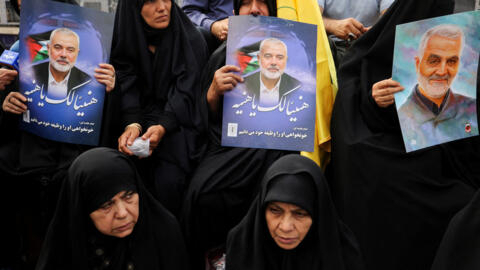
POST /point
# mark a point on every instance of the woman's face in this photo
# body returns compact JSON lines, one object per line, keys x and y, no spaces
{"x":156,"y":13}
{"x":253,"y":7}
{"x":118,"y":216}
{"x":287,"y":223}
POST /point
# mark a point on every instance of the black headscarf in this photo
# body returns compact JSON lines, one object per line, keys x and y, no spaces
{"x":272,"y":7}
{"x":161,"y":87}
{"x":329,"y":244}
{"x":227,"y":178}
{"x":460,"y":247}
{"x":398,"y":204}
{"x":165,"y":83}
{"x":72,"y":241}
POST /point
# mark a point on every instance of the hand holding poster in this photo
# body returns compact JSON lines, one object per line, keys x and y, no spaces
{"x":274,"y":107}
{"x":61,"y":45}
{"x":436,"y":60}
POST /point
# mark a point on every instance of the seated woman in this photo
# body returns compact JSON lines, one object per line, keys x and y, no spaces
{"x":159,"y":56}
{"x":105,"y":219}
{"x":226,"y":179}
{"x":292,"y":224}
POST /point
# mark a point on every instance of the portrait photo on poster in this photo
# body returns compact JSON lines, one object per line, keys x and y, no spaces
{"x":436,"y":61}
{"x":274,"y":106}
{"x":60,"y":47}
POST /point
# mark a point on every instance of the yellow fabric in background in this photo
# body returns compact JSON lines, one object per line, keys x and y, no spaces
{"x":308,"y":11}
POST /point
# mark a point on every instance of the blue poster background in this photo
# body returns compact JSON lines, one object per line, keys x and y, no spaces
{"x":407,"y":41}
{"x":77,"y":119}
{"x":290,"y":124}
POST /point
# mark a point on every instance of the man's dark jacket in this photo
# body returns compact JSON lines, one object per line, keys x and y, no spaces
{"x":76,"y":80}
{"x":287,"y":84}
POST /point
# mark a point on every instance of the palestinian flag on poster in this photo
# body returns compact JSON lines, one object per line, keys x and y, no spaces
{"x":37,"y":46}
{"x":247,"y":58}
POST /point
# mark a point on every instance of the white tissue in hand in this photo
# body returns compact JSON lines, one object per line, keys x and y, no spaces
{"x":140,"y":147}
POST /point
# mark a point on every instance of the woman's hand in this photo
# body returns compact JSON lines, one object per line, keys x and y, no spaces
{"x":383,"y":92}
{"x":15,"y":103}
{"x":126,"y":139}
{"x":105,"y":74}
{"x":155,"y":134}
{"x":220,"y":29}
{"x":6,"y":77}
{"x":223,"y":81}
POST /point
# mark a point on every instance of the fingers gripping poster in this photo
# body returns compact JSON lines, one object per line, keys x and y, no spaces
{"x":274,"y":106}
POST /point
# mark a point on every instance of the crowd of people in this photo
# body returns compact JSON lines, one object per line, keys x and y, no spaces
{"x":195,"y":204}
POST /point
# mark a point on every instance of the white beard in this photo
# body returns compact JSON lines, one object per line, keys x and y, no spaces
{"x":271,"y":75}
{"x":61,"y":68}
{"x":435,"y":90}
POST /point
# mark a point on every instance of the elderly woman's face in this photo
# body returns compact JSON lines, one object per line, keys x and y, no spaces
{"x":156,"y":13}
{"x":287,"y":223}
{"x":118,"y":216}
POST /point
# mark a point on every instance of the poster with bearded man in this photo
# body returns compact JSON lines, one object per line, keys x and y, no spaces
{"x":273,"y":106}
{"x":436,"y":62}
{"x":62,"y":46}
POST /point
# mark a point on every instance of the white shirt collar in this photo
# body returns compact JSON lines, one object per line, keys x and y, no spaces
{"x":269,"y":97}
{"x":57,"y":91}
{"x":52,"y":81}
{"x":264,"y":88}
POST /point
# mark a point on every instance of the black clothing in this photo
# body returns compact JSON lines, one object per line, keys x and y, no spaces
{"x":161,"y":88}
{"x":460,"y":247}
{"x":226,"y":179}
{"x":224,"y":183}
{"x":271,"y":5}
{"x":72,"y":241}
{"x":328,"y":245}
{"x":397,"y":204}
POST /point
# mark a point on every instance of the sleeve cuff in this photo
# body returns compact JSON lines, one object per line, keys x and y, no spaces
{"x":207,"y":24}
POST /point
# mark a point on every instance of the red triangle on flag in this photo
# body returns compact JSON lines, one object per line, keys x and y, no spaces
{"x":243,"y":60}
{"x":33,"y":47}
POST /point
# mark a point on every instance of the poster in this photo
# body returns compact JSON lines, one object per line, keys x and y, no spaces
{"x":274,"y":107}
{"x":60,"y":46}
{"x":436,"y":61}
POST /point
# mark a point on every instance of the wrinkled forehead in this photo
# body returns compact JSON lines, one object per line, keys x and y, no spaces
{"x":276,"y":48}
{"x":65,"y":39}
{"x":443,"y":46}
